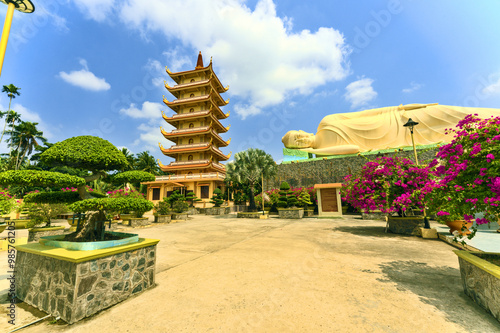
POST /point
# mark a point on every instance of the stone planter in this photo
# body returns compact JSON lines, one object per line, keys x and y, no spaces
{"x":217,"y":210}
{"x":57,"y":241}
{"x":375,"y":215}
{"x":76,"y":284}
{"x":201,"y":210}
{"x":308,"y":212}
{"x":192,"y":211}
{"x":34,"y":234}
{"x":249,"y":215}
{"x":291,"y":213}
{"x":163,"y":218}
{"x":239,"y":208}
{"x":179,"y":216}
{"x":480,"y":272}
{"x":406,"y":225}
{"x":138,"y":221}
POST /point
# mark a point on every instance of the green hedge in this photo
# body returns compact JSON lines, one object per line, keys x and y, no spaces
{"x":139,"y":206}
{"x":52,"y":197}
{"x":39,"y":178}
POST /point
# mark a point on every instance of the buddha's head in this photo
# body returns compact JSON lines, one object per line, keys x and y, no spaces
{"x":298,"y":139}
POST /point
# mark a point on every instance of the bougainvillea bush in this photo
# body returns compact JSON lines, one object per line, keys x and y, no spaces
{"x":386,"y":184}
{"x":467,"y":173}
{"x":7,"y":202}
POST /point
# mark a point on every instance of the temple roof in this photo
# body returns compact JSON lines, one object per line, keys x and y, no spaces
{"x":193,"y":148}
{"x":196,"y":131}
{"x":194,"y":86}
{"x":176,"y":119}
{"x":177,"y":76}
{"x":178,"y":166}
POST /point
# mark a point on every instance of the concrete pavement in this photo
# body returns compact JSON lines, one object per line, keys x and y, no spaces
{"x":310,"y":275}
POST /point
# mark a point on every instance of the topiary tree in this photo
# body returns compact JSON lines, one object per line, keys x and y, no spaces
{"x":191,"y":198}
{"x":89,"y":153}
{"x":174,"y":197}
{"x":304,"y":198}
{"x":162,"y":207}
{"x":217,"y":198}
{"x":282,"y":200}
{"x":291,"y":199}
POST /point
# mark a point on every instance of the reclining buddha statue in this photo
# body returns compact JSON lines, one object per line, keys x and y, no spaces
{"x":382,"y":128}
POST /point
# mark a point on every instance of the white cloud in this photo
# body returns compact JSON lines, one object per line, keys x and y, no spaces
{"x":256,"y":52}
{"x":360,"y":92}
{"x":85,"y":79}
{"x":150,"y":133}
{"x":98,"y":10}
{"x":413,"y":87}
{"x":494,"y":87}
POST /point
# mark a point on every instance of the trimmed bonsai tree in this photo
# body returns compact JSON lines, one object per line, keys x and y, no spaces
{"x":282,"y":200}
{"x":90,"y":153}
{"x":291,"y":199}
{"x":218,"y":198}
{"x":191,"y":198}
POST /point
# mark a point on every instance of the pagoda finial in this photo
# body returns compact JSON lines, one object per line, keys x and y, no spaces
{"x":199,"y":63}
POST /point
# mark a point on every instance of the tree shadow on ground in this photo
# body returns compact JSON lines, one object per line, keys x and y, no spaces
{"x":442,"y":288}
{"x":372,"y":231}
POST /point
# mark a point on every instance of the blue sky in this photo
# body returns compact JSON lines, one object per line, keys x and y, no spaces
{"x":96,"y":67}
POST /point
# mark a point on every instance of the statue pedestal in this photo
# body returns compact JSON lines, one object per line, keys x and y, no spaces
{"x":329,"y":201}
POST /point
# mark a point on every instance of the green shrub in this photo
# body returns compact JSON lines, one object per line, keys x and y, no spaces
{"x":52,"y":197}
{"x":137,"y":205}
{"x":44,"y":212}
{"x":304,"y":199}
{"x":217,"y":198}
{"x":191,"y":198}
{"x":180,"y":206}
{"x":7,"y":202}
{"x":174,"y":197}
{"x":291,"y":199}
{"x":39,"y":178}
{"x":134,"y":176}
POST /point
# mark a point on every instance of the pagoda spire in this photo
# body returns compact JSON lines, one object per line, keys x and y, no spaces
{"x":199,"y":63}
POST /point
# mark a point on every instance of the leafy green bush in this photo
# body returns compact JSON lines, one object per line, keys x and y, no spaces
{"x":291,"y":199}
{"x":134,"y":176}
{"x":191,"y":198}
{"x":240,"y":198}
{"x":217,"y":198}
{"x":7,"y":202}
{"x":180,"y":206}
{"x":39,"y":178}
{"x":304,"y":199}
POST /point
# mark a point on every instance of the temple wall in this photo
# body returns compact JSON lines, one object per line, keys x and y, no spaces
{"x":333,"y":170}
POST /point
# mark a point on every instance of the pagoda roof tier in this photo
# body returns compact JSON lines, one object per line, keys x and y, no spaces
{"x":173,"y":151}
{"x":193,"y":165}
{"x":208,"y":71}
{"x":196,"y":86}
{"x":172,"y":179}
{"x":177,"y":118}
{"x":213,"y":97}
{"x":195,"y":131}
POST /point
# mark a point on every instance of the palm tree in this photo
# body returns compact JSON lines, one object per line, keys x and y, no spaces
{"x":248,"y":168}
{"x":11,"y":118}
{"x":130,"y":159}
{"x":24,"y":136}
{"x":11,"y":91}
{"x":146,"y":162}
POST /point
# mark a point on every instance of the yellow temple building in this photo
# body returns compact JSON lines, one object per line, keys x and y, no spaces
{"x":196,"y":138}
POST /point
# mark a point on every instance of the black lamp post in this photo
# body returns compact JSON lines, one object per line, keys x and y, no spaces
{"x":410,"y":124}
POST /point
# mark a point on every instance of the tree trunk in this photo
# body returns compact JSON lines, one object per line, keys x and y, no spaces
{"x":82,"y":189}
{"x":252,"y":207}
{"x":89,"y":232}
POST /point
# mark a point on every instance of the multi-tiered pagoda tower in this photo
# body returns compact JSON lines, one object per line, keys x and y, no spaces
{"x":196,"y":138}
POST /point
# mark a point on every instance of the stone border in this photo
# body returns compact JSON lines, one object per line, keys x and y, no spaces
{"x":34,"y":234}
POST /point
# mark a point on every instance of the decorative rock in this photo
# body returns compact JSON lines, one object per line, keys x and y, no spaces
{"x":406,"y":225}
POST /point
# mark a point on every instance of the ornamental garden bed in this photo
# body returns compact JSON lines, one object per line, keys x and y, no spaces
{"x":480,"y":272}
{"x":406,"y":225}
{"x":34,"y":234}
{"x":74,"y":285}
{"x":291,"y":213}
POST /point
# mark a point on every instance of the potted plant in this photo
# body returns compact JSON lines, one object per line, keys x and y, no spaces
{"x":387,"y":184}
{"x":179,"y":208}
{"x":287,"y":203}
{"x":162,"y":209}
{"x":217,"y":200}
{"x":136,"y":256}
{"x":304,"y":200}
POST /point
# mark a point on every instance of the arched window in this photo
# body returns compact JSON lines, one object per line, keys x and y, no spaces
{"x":190,"y":157}
{"x":192,"y":80}
{"x":191,"y":110}
{"x":192,"y":95}
{"x":190,"y":173}
{"x":191,"y":141}
{"x":191,"y":125}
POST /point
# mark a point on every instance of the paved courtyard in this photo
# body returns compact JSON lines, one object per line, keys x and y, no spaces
{"x":219,"y":274}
